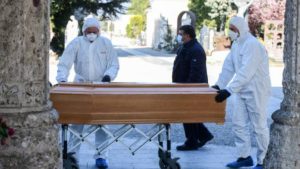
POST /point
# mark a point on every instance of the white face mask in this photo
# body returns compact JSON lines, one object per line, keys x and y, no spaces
{"x":233,"y":35}
{"x":91,"y":37}
{"x":179,"y":38}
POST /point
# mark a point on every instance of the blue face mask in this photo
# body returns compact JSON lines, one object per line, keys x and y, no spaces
{"x":179,"y":38}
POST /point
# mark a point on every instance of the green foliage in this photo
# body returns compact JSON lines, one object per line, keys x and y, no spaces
{"x":201,"y":11}
{"x":210,"y":23}
{"x":227,"y":26}
{"x":139,"y":7}
{"x":61,"y":10}
{"x":138,"y":22}
{"x":135,"y":27}
{"x":168,"y":38}
{"x":104,"y":26}
{"x":220,"y":9}
{"x":212,"y":13}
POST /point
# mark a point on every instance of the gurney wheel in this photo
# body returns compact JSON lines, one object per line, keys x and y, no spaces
{"x":177,"y":166}
{"x":162,"y":165}
{"x":70,"y":162}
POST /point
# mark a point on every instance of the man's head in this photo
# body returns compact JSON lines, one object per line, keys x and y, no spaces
{"x":237,"y":27}
{"x":187,"y":33}
{"x":91,"y":28}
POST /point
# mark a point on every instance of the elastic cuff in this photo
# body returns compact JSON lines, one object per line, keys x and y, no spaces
{"x":229,"y":90}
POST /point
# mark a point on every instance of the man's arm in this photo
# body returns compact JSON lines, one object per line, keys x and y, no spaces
{"x":66,"y":61}
{"x":112,"y":62}
{"x":227,"y":72}
{"x":251,"y":60}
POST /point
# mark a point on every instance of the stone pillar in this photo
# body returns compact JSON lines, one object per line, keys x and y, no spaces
{"x":24,"y":90}
{"x":284,"y":148}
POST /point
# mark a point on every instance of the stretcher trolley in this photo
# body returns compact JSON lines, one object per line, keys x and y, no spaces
{"x":130,"y":104}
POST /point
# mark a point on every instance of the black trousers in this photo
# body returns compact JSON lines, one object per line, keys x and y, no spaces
{"x":195,"y":133}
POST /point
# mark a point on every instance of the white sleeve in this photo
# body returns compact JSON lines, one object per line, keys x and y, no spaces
{"x":227,"y":72}
{"x":66,"y":61}
{"x":252,"y":57}
{"x":112,"y":62}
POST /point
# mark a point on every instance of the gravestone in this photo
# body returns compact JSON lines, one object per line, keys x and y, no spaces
{"x":273,"y":37}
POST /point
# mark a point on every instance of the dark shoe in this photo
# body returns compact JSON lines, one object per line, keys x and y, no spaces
{"x":185,"y":147}
{"x":241,"y":162}
{"x":101,"y":163}
{"x":258,"y":166}
{"x":203,"y":142}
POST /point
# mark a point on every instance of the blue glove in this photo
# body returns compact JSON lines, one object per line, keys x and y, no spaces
{"x":222,"y":95}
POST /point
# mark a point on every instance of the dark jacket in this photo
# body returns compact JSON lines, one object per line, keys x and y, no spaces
{"x":190,"y":64}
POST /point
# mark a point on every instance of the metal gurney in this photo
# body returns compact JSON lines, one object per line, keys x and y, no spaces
{"x":135,"y":103}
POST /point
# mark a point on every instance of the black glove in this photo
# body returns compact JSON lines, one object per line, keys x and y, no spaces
{"x":106,"y":78}
{"x":215,"y":87}
{"x":222,"y":95}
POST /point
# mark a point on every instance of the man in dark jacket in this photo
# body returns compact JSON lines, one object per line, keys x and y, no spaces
{"x":190,"y":67}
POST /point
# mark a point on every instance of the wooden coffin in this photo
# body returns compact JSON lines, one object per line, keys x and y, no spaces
{"x":125,"y":103}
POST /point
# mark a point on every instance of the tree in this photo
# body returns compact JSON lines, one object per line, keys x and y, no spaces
{"x":219,"y":10}
{"x":61,"y":10}
{"x":201,"y":11}
{"x":137,"y":23}
{"x":211,"y":12}
{"x":135,"y":26}
{"x":261,"y":10}
{"x":138,"y":7}
{"x":169,"y":39}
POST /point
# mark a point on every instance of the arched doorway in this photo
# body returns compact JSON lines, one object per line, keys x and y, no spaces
{"x":190,"y":19}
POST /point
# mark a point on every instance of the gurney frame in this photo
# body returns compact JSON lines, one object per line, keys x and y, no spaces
{"x":155,"y":132}
{"x":133,"y":103}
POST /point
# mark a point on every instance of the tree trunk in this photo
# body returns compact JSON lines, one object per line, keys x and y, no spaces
{"x":284,"y":148}
{"x":24,"y":88}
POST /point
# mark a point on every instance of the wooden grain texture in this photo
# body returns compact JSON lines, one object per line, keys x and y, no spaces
{"x":122,"y":103}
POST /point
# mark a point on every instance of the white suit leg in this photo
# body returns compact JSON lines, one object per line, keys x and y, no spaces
{"x":73,"y":140}
{"x":240,"y":120}
{"x":100,"y":137}
{"x":258,"y":118}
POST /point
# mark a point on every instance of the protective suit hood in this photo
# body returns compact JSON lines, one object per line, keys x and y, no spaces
{"x":240,"y":24}
{"x":90,"y":22}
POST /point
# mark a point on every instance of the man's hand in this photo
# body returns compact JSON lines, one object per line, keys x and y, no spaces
{"x":106,"y":78}
{"x":222,"y":95}
{"x":216,"y":87}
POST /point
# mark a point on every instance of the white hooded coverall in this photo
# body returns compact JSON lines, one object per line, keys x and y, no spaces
{"x":245,"y":74}
{"x":92,"y":61}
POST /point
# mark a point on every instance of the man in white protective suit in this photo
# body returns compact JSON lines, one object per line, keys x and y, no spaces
{"x":95,"y":60}
{"x":245,"y":77}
